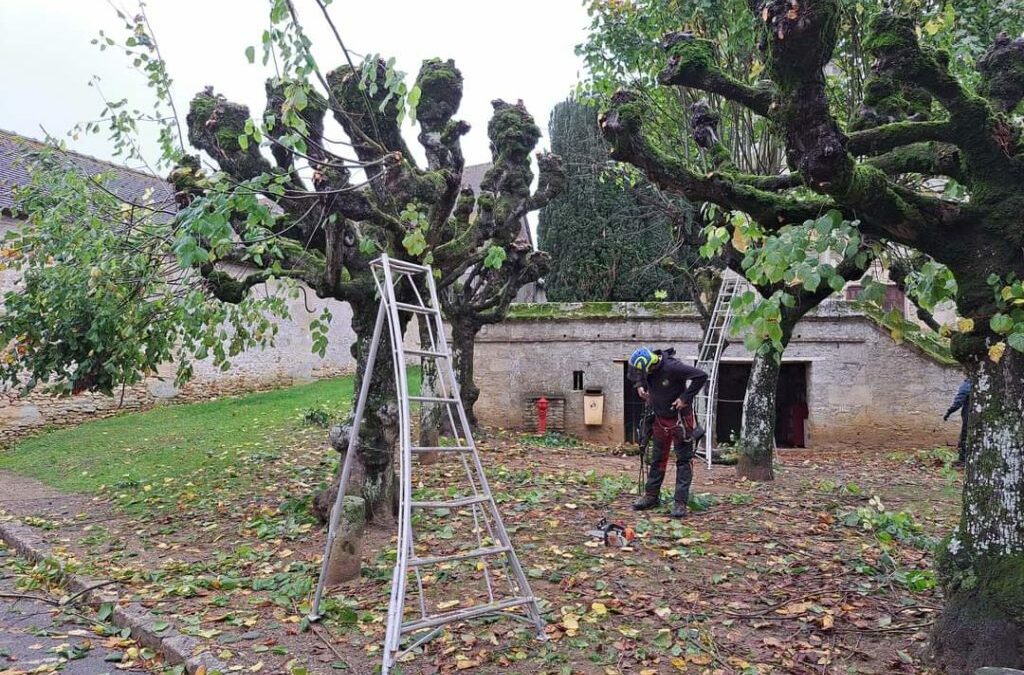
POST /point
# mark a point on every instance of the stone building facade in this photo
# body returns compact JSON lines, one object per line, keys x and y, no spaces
{"x":861,"y":389}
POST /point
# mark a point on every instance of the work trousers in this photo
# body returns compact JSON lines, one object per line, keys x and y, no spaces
{"x":669,"y":432}
{"x":961,"y":446}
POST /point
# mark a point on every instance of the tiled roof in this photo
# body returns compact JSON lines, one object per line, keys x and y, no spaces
{"x":128,"y":184}
{"x":473,"y":175}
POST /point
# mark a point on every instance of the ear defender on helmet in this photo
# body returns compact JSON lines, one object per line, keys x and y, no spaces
{"x":642,"y":359}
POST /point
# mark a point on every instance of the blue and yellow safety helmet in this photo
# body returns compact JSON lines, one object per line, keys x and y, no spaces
{"x":643,"y":359}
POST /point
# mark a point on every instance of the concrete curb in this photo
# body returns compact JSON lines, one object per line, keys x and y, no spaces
{"x":177,"y":649}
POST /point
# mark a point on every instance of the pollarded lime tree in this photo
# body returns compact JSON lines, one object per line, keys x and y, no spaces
{"x":715,"y":133}
{"x":318,"y":214}
{"x":978,"y":238}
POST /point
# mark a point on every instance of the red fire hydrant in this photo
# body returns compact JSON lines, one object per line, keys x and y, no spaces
{"x":542,"y":415}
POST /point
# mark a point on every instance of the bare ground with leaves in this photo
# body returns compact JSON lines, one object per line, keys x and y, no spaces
{"x":826,"y":570}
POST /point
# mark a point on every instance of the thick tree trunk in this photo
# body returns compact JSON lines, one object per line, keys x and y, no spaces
{"x":981,"y":566}
{"x":373,"y":477}
{"x":463,"y":351}
{"x":757,"y":438}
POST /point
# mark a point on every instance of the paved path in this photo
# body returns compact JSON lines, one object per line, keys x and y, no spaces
{"x":24,"y":496}
{"x":35,"y":633}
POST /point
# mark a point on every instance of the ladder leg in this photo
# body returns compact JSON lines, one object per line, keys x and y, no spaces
{"x":405,"y":540}
{"x":499,"y":526}
{"x":346,"y":469}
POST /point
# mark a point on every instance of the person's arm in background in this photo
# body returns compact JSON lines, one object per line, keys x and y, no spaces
{"x":960,"y":400}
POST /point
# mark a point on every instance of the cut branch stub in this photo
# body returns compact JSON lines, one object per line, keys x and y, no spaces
{"x":370,"y":121}
{"x":188,"y":180}
{"x":440,"y":84}
{"x":1002,"y":73}
{"x":214,"y":125}
{"x":312,"y":115}
{"x":513,"y":135}
{"x":800,"y":38}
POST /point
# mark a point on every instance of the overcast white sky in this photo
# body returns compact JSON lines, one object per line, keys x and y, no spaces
{"x":519,"y":49}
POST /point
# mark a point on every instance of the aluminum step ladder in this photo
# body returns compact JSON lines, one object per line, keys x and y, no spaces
{"x":490,"y":558}
{"x":711,"y":347}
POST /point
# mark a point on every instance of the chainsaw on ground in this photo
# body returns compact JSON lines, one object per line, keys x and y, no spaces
{"x":616,"y":535}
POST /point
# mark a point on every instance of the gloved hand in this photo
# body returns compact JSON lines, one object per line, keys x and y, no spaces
{"x":945,"y":418}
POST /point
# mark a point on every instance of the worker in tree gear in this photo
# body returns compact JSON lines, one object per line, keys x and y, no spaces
{"x":961,"y":402}
{"x":669,"y":387}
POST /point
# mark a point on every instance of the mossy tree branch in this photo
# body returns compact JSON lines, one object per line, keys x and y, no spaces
{"x":691,"y":64}
{"x":887,"y":137}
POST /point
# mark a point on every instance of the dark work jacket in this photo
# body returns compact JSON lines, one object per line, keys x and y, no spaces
{"x":668,"y":381}
{"x":962,"y":400}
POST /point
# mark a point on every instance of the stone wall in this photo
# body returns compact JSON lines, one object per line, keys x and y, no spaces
{"x":864,"y":390}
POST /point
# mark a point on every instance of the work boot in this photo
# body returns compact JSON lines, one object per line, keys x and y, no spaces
{"x":646,"y":502}
{"x":678,"y":510}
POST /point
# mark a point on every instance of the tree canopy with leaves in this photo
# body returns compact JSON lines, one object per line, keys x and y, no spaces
{"x":605,"y":244}
{"x":922,"y":117}
{"x":104,"y":309}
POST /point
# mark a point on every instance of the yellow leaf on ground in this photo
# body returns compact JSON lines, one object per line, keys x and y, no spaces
{"x":965,"y":325}
{"x":827,"y":621}
{"x":699,"y":659}
{"x":794,"y":609}
{"x":996,"y":351}
{"x":599,"y":609}
{"x":462,"y":663}
{"x":570,"y":623}
{"x":447,"y":604}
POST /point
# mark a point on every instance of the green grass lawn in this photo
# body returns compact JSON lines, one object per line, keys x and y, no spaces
{"x":174,"y":440}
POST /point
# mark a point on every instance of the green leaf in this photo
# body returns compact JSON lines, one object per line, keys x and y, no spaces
{"x":1001,"y":323}
{"x":161,"y":626}
{"x":250,"y":54}
{"x":299,"y":99}
{"x":414,"y":242}
{"x":243,"y":142}
{"x":495,"y":257}
{"x":1016,"y":340}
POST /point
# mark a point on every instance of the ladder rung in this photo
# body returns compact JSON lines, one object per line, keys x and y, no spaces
{"x":432,"y":399}
{"x":401,"y":265}
{"x":452,"y":503}
{"x":441,"y":448}
{"x":464,"y":555}
{"x":415,"y":309}
{"x":464,"y":614}
{"x":424,"y":352}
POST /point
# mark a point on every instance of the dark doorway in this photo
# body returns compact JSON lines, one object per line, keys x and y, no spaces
{"x":633,"y":406}
{"x":790,"y":403}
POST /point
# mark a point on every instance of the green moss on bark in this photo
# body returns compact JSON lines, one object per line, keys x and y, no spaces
{"x":440,"y":84}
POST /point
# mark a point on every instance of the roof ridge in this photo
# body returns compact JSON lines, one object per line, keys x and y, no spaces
{"x":117,"y":167}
